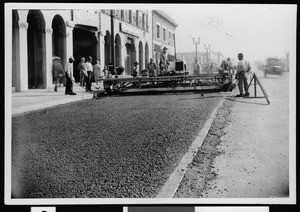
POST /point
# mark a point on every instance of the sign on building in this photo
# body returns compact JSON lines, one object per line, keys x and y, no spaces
{"x":86,"y":17}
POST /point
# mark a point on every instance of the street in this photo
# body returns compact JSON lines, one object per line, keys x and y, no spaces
{"x":120,"y":146}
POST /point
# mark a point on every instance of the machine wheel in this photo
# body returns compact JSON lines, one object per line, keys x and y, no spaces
{"x":226,"y":87}
{"x":107,"y":88}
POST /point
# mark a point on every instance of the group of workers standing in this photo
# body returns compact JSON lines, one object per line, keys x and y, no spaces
{"x":242,"y":71}
{"x":59,"y":72}
{"x":151,"y":69}
{"x":87,"y":71}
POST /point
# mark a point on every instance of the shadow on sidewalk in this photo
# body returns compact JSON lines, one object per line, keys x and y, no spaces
{"x":234,"y":99}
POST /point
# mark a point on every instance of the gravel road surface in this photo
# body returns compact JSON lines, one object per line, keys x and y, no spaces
{"x":122,"y":146}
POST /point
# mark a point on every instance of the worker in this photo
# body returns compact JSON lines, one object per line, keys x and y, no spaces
{"x":152,"y":68}
{"x":230,"y":67}
{"x":134,"y":71}
{"x":196,"y":68}
{"x":164,"y":63}
{"x":97,"y":72}
{"x":69,"y":76}
{"x":57,"y":71}
{"x":105,"y":72}
{"x":243,"y":68}
{"x":82,"y":68}
{"x":88,"y":79}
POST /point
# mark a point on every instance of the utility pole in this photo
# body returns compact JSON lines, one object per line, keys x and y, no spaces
{"x":112,"y":16}
{"x":196,"y":43}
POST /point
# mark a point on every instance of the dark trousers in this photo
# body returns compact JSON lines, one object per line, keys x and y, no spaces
{"x":88,"y":82}
{"x":242,"y":81}
{"x":69,"y":84}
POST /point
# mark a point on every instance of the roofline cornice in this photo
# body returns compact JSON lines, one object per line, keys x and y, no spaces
{"x":156,"y":12}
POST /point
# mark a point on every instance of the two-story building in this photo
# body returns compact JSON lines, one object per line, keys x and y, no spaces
{"x":39,"y":34}
{"x":132,"y":38}
{"x":163,"y":34}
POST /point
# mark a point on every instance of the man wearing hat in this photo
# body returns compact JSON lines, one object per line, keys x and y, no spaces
{"x":164,"y":63}
{"x":243,"y":67}
{"x":134,"y":71}
{"x":152,"y":68}
{"x":69,"y":76}
{"x":88,"y":79}
{"x":82,"y":70}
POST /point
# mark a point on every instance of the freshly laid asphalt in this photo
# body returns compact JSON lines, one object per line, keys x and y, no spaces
{"x":121,"y":146}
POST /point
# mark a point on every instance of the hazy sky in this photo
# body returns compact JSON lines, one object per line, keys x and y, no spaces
{"x":258,"y":31}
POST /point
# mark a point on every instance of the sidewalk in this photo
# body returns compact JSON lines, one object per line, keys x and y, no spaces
{"x":35,"y":99}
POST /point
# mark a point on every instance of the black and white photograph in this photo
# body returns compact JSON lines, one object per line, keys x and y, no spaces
{"x":150,"y":104}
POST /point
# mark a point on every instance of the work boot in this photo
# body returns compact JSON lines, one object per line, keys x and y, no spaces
{"x":240,"y":95}
{"x":247,"y":94}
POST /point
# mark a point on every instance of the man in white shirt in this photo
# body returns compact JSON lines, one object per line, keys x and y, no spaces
{"x":89,"y":66}
{"x":243,"y":67}
{"x":69,"y":76}
{"x":97,"y":72}
{"x":82,"y":70}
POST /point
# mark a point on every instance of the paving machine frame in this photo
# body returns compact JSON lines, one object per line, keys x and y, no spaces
{"x":174,"y":80}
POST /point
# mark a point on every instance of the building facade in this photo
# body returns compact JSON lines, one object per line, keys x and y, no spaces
{"x":163,"y":34}
{"x":132,"y":38}
{"x":114,"y":37}
{"x":38,"y":35}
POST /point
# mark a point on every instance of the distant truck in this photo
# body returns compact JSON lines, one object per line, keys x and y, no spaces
{"x":273,"y":66}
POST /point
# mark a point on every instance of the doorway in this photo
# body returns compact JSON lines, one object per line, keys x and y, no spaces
{"x":130,"y":57}
{"x":84,"y":45}
{"x":36,"y":50}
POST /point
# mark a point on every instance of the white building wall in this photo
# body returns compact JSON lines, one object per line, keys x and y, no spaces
{"x":48,"y":15}
{"x":143,"y":36}
{"x":105,"y":24}
{"x":22,"y":84}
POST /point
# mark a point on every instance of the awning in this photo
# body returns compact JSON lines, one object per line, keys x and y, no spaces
{"x":87,"y":28}
{"x":171,"y":57}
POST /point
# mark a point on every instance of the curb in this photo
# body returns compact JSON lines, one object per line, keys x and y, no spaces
{"x":170,"y":187}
